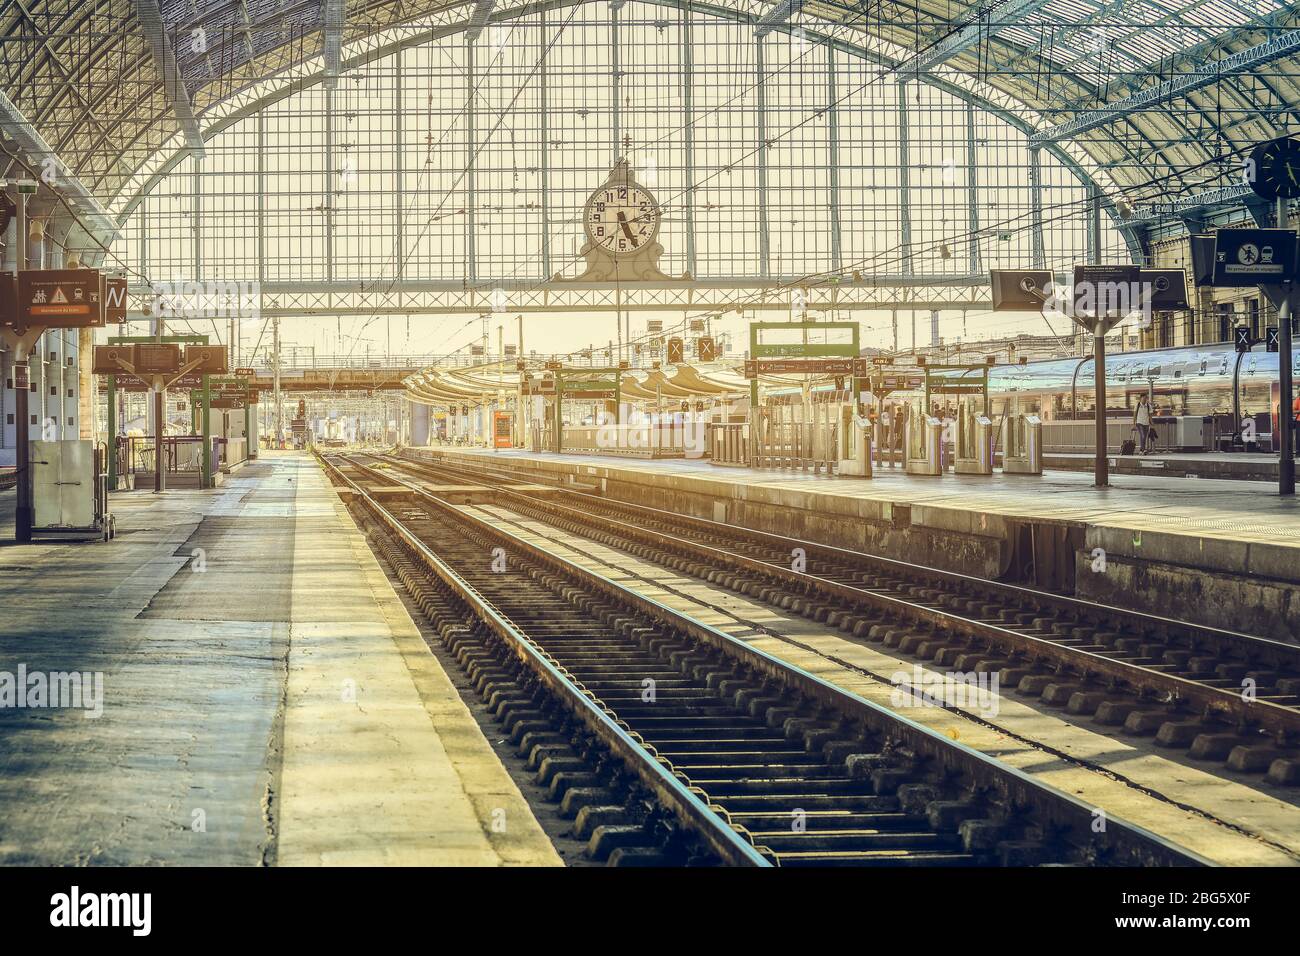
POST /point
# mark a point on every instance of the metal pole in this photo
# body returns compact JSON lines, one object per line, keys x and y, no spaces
{"x":1285,"y":416}
{"x":159,"y":418}
{"x":23,"y":506}
{"x":1101,"y":467}
{"x":112,"y":432}
{"x":521,"y":436}
{"x":205,"y":404}
{"x":275,"y":365}
{"x":23,"y":517}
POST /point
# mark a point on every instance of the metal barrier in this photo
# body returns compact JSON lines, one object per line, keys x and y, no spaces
{"x":796,"y":436}
{"x":182,"y":455}
{"x":1022,"y":445}
{"x":729,"y":443}
{"x":665,"y":439}
{"x":890,"y":432}
{"x":924,"y":444}
{"x":974,"y":452}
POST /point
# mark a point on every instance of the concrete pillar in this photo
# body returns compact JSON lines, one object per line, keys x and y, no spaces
{"x":86,"y":398}
{"x":419,"y":424}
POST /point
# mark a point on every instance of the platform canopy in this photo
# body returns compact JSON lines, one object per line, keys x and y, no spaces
{"x":1160,"y":94}
{"x":471,"y":386}
{"x":486,"y":383}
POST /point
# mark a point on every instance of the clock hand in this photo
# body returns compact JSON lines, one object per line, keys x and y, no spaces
{"x":622,"y":221}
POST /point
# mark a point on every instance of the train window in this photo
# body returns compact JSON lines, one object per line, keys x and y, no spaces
{"x":1154,"y":371}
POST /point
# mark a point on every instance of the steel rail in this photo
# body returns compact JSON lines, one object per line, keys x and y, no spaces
{"x":1231,"y":706}
{"x":1284,"y":652}
{"x":1063,"y":813}
{"x":721,"y":838}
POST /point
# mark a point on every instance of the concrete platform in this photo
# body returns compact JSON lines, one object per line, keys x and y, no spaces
{"x":1235,"y":466}
{"x":266,"y":698}
{"x":1224,"y":553}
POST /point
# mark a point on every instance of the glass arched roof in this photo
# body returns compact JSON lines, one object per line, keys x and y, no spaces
{"x":87,"y":76}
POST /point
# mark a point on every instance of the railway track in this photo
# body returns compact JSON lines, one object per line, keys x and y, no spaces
{"x":1221,"y":696}
{"x":668,"y":741}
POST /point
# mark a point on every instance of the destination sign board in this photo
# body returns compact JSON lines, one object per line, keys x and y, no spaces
{"x":1250,"y":257}
{"x":601,"y":385}
{"x":114,"y":300}
{"x":60,"y":298}
{"x":792,"y":366}
{"x":129,"y":383}
{"x":884,"y":384}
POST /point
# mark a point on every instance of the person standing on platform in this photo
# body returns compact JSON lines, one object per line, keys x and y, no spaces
{"x":1142,"y":422}
{"x":1295,"y":423}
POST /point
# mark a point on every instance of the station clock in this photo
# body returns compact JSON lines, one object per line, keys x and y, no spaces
{"x":621,"y":217}
{"x":1273,"y":171}
{"x":620,"y":224}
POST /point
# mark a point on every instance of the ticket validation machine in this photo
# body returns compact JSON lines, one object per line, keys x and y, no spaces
{"x":1022,"y":445}
{"x":924,"y":443}
{"x":857,"y":431}
{"x":974,"y":452}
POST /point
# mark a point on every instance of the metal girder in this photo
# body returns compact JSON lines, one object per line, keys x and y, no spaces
{"x":1275,"y":48}
{"x":1185,"y":205}
{"x":93,"y":217}
{"x":334,"y":18}
{"x":980,"y":27}
{"x":450,"y":297}
{"x":448,"y":24}
{"x":1036,"y":204}
{"x":777,"y":15}
{"x":173,"y":84}
{"x":479,"y":18}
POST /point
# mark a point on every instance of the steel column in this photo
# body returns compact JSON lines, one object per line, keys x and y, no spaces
{"x":1036,"y":213}
{"x":688,"y":131}
{"x":543,"y":93}
{"x":905,"y":187}
{"x":764,"y":233}
{"x":471,"y":179}
{"x":972,"y":189}
{"x":833,"y":157}
{"x":1285,"y":416}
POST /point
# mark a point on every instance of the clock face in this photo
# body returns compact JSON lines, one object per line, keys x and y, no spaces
{"x":622,"y":220}
{"x":1277,"y":169}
